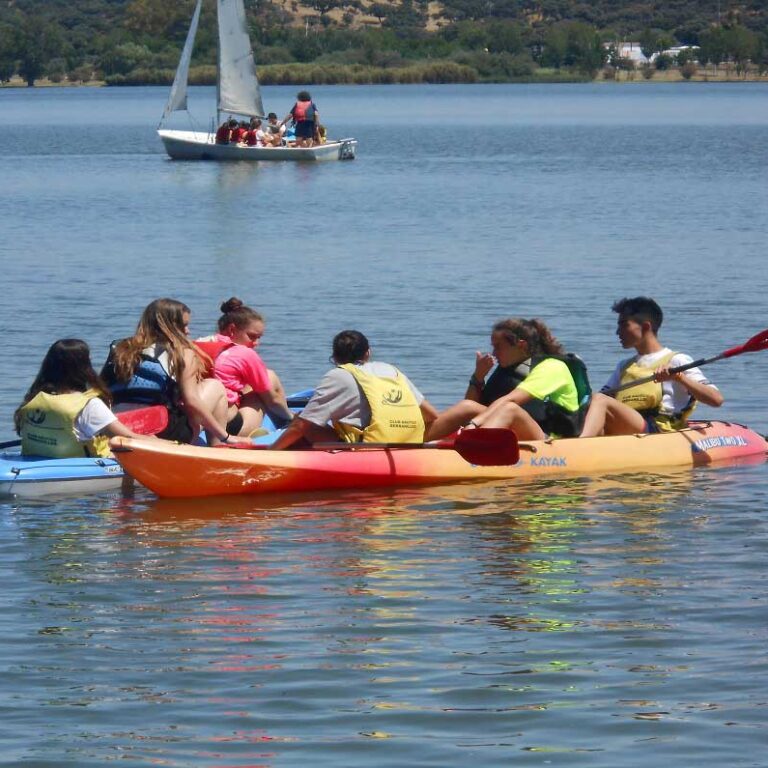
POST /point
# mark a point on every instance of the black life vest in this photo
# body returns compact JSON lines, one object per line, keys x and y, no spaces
{"x":552,"y":418}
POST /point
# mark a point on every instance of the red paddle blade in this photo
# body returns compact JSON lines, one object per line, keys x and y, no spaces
{"x":145,"y":421}
{"x":488,"y":447}
{"x":757,"y":343}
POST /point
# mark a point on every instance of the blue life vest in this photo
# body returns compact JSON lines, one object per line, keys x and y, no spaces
{"x":150,"y":384}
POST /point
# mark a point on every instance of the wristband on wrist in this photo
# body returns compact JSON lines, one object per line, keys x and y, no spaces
{"x":226,"y":437}
{"x":475,"y":382}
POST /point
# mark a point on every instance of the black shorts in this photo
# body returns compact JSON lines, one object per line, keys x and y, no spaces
{"x":179,"y":429}
{"x":235,"y":424}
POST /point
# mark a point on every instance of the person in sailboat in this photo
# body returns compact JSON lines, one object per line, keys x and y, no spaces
{"x":273,"y":131}
{"x":224,"y":131}
{"x":255,"y":136}
{"x":304,"y":116}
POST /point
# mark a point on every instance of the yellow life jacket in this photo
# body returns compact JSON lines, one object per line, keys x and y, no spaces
{"x":48,"y":427}
{"x":395,"y":414}
{"x":647,"y":398}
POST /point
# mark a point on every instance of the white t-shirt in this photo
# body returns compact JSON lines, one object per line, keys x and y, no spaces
{"x":674,"y":396}
{"x":92,"y":419}
{"x":338,"y":397}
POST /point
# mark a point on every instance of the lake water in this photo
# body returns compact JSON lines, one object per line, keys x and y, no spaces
{"x":614,"y":622}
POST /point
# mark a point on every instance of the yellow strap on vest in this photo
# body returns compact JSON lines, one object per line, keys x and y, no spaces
{"x":647,"y":397}
{"x":48,"y":427}
{"x":395,"y":414}
{"x":643,"y":397}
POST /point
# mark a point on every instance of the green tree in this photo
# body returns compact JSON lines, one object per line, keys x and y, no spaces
{"x":124,"y":58}
{"x":158,"y":18}
{"x":741,"y":45}
{"x":712,"y":46}
{"x":7,"y":54}
{"x":505,"y":37}
{"x":38,"y":42}
{"x":649,"y":42}
{"x":381,"y":11}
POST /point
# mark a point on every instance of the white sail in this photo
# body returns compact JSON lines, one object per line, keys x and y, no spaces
{"x":177,"y":100}
{"x":239,"y":91}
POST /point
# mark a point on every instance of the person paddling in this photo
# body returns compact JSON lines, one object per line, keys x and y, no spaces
{"x":661,"y":405}
{"x":360,"y":400}
{"x":66,"y":414}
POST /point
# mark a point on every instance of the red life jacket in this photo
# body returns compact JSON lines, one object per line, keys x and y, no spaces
{"x":250,"y":138}
{"x":238,"y":134}
{"x":303,"y":111}
{"x":213,"y":349}
{"x":222,"y":135}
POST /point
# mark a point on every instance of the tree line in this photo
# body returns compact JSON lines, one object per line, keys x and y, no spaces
{"x":134,"y":41}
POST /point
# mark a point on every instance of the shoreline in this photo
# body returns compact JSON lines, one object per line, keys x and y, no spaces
{"x":546,"y":77}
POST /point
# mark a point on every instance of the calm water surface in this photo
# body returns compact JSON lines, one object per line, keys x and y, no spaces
{"x":614,"y":622}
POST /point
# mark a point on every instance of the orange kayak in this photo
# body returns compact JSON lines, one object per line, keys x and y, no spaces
{"x":172,"y":470}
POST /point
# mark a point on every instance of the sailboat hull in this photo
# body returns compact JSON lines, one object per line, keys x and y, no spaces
{"x":195,"y":145}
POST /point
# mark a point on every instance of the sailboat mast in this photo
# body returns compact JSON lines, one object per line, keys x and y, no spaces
{"x":218,"y":80}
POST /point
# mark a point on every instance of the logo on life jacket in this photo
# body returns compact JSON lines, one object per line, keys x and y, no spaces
{"x":36,"y":416}
{"x":392,"y":397}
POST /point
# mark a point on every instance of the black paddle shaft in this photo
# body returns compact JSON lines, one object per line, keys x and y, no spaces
{"x":679,"y":369}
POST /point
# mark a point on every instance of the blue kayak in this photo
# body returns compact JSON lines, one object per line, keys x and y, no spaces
{"x":34,"y":476}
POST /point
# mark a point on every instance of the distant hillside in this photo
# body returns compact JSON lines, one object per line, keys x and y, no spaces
{"x":369,"y":40}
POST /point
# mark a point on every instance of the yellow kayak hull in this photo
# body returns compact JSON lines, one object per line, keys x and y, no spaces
{"x":172,"y":470}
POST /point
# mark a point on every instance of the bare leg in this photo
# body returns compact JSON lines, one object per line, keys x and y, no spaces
{"x":452,"y":418}
{"x":607,"y":416}
{"x":252,"y":418}
{"x":508,"y":415}
{"x":215,"y":400}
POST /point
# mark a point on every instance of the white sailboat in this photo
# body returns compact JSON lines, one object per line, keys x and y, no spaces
{"x":238,"y":93}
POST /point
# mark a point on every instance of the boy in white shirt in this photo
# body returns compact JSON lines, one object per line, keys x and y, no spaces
{"x":661,"y":405}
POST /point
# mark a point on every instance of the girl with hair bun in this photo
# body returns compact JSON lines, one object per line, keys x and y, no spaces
{"x":536,"y":389}
{"x":251,"y":388}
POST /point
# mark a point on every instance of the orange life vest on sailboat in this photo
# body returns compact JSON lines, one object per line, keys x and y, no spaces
{"x":303,"y":111}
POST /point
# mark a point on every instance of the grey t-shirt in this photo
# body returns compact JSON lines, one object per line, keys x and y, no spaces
{"x":338,"y":396}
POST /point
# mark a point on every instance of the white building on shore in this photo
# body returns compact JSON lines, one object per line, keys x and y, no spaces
{"x":633,"y":52}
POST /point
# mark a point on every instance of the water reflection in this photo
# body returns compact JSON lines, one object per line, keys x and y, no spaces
{"x":251,"y":628}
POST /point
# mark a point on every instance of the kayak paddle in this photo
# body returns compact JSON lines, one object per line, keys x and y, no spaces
{"x":142,"y":421}
{"x":486,"y":447}
{"x":757,"y":343}
{"x":145,"y":421}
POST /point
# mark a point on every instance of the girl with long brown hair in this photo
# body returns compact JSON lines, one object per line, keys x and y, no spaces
{"x":532,"y":389}
{"x":65,"y":413}
{"x":159,"y":364}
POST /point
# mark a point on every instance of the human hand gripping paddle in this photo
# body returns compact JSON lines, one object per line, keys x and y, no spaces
{"x":757,"y":343}
{"x":485,"y":447}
